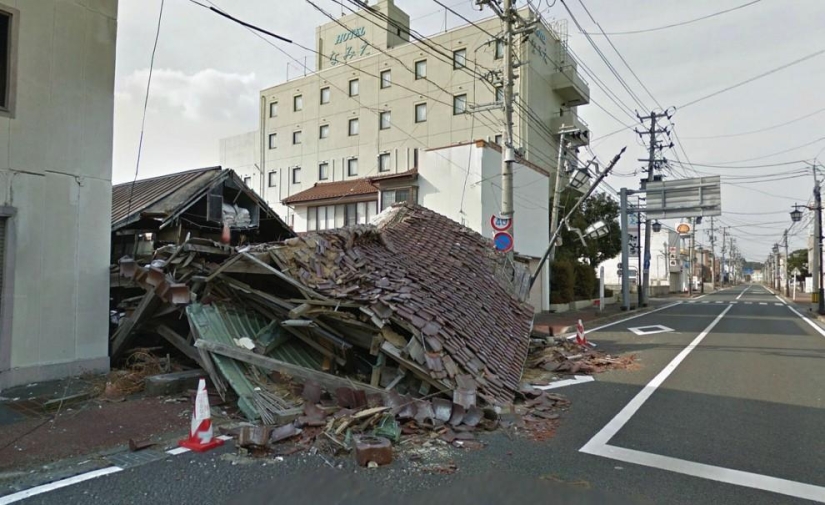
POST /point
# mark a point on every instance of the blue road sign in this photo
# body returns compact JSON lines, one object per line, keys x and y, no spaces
{"x":503,"y":241}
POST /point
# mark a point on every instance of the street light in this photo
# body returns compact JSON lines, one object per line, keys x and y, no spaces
{"x":796,"y":215}
{"x":656,"y":226}
{"x":580,"y":178}
{"x":701,"y":262}
{"x":596,"y":230}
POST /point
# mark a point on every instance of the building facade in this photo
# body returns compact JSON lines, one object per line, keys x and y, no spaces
{"x":55,"y":183}
{"x":378,"y":100}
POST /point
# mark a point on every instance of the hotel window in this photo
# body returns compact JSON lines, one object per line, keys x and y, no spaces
{"x":352,"y":167}
{"x":247,"y":180}
{"x":421,"y":69}
{"x":459,"y":59}
{"x":323,"y":131}
{"x":8,"y":58}
{"x":499,"y":49}
{"x":384,"y":162}
{"x":298,"y":102}
{"x":353,"y":87}
{"x":325,"y":93}
{"x":420,"y":112}
{"x":384,"y":120}
{"x":296,"y":137}
{"x":321,"y":218}
{"x":353,"y":127}
{"x":273,"y":140}
{"x":386,"y":79}
{"x":273,"y":109}
{"x":459,"y":104}
{"x":273,"y":179}
{"x":323,"y":171}
{"x":296,"y":175}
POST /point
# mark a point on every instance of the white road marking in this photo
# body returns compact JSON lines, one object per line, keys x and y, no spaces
{"x":706,"y":301}
{"x":733,"y":303}
{"x":577,"y":379}
{"x":809,"y":321}
{"x":598,"y":445}
{"x":778,"y":304}
{"x":698,"y":297}
{"x":692,"y":301}
{"x":763,"y":303}
{"x":720,"y":301}
{"x":780,"y":299}
{"x":657,"y":328}
{"x":743,"y":292}
{"x":45,"y":488}
{"x":77,"y":479}
{"x":608,"y":325}
{"x":748,"y":303}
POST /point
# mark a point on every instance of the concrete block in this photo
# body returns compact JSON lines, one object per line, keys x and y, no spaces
{"x":173,"y":383}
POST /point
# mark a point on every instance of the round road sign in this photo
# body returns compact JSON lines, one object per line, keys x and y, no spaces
{"x":503,"y":241}
{"x":501,"y":223}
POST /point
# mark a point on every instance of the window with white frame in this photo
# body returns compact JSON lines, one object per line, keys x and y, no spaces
{"x":323,"y":131}
{"x":353,"y":87}
{"x":247,"y":180}
{"x":460,"y":104}
{"x":393,"y":196}
{"x":353,"y":127}
{"x":273,"y":109}
{"x":384,"y":120}
{"x":498,"y":139}
{"x":459,"y":58}
{"x":296,"y":175}
{"x":273,"y":140}
{"x":273,"y":179}
{"x":420,"y":112}
{"x":384,"y":162}
{"x":325,"y":94}
{"x":298,"y":102}
{"x":352,"y":167}
{"x":421,"y":69}
{"x":386,"y":79}
{"x":323,"y":171}
{"x":296,"y":137}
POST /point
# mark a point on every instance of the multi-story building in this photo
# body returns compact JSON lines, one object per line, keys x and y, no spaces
{"x":56,"y":107}
{"x":378,"y":100}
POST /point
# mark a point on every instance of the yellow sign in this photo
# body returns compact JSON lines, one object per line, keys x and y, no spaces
{"x":683,"y":228}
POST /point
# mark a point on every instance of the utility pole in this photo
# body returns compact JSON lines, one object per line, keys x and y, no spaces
{"x":690,"y":257}
{"x":509,"y":155}
{"x":787,"y":280}
{"x":818,"y":242}
{"x":652,"y":164}
{"x":712,"y":255}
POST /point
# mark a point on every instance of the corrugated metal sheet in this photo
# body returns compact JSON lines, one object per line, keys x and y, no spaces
{"x":221,"y":322}
{"x":149,"y":191}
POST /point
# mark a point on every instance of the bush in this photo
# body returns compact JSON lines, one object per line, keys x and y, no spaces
{"x":562,"y":282}
{"x":585,"y":281}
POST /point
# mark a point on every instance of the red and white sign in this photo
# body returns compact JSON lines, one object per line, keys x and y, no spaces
{"x":501,"y":223}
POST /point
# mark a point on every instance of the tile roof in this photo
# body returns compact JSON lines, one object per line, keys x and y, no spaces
{"x":429,"y":274}
{"x":149,"y":191}
{"x":327,"y":190}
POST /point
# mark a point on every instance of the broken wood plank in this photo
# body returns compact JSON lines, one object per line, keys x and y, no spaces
{"x":286,"y":278}
{"x":223,"y":266}
{"x":315,"y":345}
{"x":393,"y":353}
{"x":328,"y":381}
{"x":179,"y":342}
{"x":125,"y":332}
{"x":376,"y":370}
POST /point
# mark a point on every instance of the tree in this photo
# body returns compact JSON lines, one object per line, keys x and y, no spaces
{"x":798,"y":260}
{"x":598,"y":207}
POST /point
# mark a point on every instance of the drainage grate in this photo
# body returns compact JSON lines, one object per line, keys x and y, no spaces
{"x":133,"y":459}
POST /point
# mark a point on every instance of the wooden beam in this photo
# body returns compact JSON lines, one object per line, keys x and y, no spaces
{"x":125,"y":332}
{"x":315,"y":345}
{"x":328,"y":381}
{"x":179,"y":342}
{"x":286,"y":278}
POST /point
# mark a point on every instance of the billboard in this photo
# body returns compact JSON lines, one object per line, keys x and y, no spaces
{"x":700,"y":196}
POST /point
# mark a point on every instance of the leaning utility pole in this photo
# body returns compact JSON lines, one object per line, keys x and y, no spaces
{"x":652,"y":164}
{"x":712,"y":256}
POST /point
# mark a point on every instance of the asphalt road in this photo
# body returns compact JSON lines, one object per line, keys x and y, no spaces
{"x":727,"y":407}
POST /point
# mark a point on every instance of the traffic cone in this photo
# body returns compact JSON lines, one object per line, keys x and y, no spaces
{"x":580,"y":338}
{"x":201,"y":438}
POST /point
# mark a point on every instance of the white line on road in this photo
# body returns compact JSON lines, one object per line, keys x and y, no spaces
{"x":748,"y":303}
{"x":608,"y":325}
{"x":577,"y":379}
{"x":603,"y":437}
{"x":720,"y":301}
{"x":698,"y":297}
{"x":706,"y":301}
{"x":598,"y":445}
{"x":780,"y":299}
{"x":743,"y":292}
{"x":809,"y":321}
{"x":763,"y":303}
{"x":45,"y":488}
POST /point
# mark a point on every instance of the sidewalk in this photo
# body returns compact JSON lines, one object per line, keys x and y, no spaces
{"x":561,"y":323}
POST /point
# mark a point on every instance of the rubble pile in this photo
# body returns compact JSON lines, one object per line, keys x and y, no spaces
{"x":413,"y":324}
{"x":564,"y":356}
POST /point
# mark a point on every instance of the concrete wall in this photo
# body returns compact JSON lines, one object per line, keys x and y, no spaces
{"x":242,"y":153}
{"x":55,"y":178}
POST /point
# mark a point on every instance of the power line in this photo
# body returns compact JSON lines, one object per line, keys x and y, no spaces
{"x":751,"y":132}
{"x":674,"y":25}
{"x":464,"y":18}
{"x":746,"y":81}
{"x":145,"y":108}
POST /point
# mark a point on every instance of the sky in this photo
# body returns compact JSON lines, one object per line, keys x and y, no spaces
{"x":208,"y":72}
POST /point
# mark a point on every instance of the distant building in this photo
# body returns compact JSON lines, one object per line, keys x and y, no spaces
{"x":56,"y":109}
{"x":373,"y":110}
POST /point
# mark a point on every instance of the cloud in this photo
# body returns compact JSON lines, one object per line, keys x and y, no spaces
{"x":206,"y":95}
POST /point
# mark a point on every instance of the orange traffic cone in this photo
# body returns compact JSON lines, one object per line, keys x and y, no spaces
{"x":201,"y":438}
{"x":580,"y":338}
